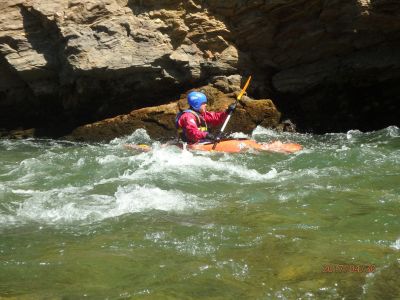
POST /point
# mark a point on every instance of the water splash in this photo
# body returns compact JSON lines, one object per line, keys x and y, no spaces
{"x":260,"y":225}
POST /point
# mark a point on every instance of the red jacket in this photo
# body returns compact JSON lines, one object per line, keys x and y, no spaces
{"x":191,"y":126}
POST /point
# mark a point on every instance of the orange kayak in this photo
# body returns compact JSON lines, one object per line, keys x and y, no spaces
{"x":232,"y":146}
{"x":236,"y":146}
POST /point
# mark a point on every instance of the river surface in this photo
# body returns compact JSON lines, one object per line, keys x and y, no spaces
{"x":98,"y":221}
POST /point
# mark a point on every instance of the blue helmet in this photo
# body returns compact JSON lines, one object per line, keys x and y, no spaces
{"x":196,"y":99}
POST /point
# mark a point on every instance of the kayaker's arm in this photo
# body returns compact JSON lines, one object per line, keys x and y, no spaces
{"x":214,"y":118}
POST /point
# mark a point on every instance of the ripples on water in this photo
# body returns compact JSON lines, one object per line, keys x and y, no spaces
{"x":98,"y":220}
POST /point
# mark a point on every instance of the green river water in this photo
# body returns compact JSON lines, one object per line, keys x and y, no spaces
{"x":97,"y":221}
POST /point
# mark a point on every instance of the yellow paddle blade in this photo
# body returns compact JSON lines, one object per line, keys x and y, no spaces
{"x":244,"y":88}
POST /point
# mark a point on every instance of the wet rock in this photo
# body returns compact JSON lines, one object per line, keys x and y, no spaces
{"x":286,"y":126}
{"x":18,"y":133}
{"x":159,"y":121}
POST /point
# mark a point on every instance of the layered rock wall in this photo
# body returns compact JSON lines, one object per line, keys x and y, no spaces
{"x":84,"y":61}
{"x":330,"y":65}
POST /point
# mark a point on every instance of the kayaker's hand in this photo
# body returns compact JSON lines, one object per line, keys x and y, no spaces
{"x":231,"y":108}
{"x":212,"y":137}
{"x":224,"y":136}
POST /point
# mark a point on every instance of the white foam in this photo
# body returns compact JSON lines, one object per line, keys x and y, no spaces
{"x":3,"y":189}
{"x":143,"y":198}
{"x":71,"y":204}
{"x":108,"y":159}
{"x":30,"y":164}
{"x":396,"y":244}
{"x":80,"y":163}
{"x":259,"y":130}
{"x":351,"y":134}
{"x":239,"y":135}
{"x":53,"y":206}
{"x":24,"y":192}
{"x":37,"y":211}
{"x":162,"y":161}
{"x":393,"y":131}
{"x":140,"y":136}
{"x":343,"y":148}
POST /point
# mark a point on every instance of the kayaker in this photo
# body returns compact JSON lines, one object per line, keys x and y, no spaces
{"x":192,"y":124}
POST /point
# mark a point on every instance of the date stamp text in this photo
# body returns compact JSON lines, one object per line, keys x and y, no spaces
{"x":344,"y":268}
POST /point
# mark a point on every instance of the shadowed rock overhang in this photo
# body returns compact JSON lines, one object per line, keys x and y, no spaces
{"x":328,"y":65}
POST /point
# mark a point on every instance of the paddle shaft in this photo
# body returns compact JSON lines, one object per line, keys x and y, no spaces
{"x":230,"y":113}
{"x":226,"y":122}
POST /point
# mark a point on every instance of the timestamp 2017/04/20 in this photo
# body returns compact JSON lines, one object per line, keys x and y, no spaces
{"x":345,"y":268}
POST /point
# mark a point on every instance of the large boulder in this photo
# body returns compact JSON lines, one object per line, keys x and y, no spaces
{"x":159,"y":121}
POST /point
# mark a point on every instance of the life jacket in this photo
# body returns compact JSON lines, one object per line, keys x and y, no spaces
{"x":201,"y":124}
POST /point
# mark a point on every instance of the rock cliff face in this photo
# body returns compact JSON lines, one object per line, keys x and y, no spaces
{"x":330,"y":65}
